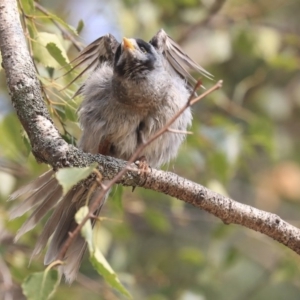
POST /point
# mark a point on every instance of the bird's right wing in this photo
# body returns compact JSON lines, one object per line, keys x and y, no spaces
{"x":101,"y":50}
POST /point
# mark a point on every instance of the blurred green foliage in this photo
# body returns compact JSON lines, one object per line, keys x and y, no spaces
{"x":245,"y":144}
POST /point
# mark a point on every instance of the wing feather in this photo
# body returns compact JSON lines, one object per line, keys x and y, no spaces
{"x":176,"y":58}
{"x":101,"y":50}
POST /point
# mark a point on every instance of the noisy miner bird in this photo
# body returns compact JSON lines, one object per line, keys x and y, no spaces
{"x":133,"y":90}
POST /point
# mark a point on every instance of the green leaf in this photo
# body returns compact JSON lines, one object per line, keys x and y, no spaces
{"x":80,"y":26}
{"x":28,"y":6}
{"x":96,"y":257}
{"x":61,"y":111}
{"x":68,"y":177}
{"x":70,"y":113}
{"x":41,"y":285}
{"x":11,"y":144}
{"x":86,"y":230}
{"x":57,"y":54}
{"x":50,"y":56}
{"x":103,"y":268}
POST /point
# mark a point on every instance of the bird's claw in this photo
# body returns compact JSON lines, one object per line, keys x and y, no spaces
{"x":143,"y":167}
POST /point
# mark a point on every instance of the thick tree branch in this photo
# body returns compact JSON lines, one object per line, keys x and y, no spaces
{"x":49,"y":147}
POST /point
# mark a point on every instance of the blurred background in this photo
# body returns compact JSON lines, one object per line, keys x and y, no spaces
{"x":245,"y":145}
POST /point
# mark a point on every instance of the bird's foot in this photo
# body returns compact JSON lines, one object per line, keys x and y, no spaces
{"x":143,"y":167}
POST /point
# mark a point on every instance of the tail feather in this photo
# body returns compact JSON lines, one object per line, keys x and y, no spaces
{"x":47,"y":204}
{"x":73,"y":259}
{"x":65,"y":225}
{"x":33,"y":186}
{"x":48,"y":230}
{"x":52,"y":222}
{"x":75,"y":254}
{"x":46,"y":194}
{"x":34,"y":196}
{"x":76,"y":251}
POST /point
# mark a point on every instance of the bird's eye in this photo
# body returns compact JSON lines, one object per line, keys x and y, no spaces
{"x":143,"y":49}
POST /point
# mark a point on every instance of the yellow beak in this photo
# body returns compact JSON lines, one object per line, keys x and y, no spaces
{"x":127,"y":44}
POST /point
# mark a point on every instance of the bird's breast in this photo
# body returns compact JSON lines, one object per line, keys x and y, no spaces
{"x":145,"y":94}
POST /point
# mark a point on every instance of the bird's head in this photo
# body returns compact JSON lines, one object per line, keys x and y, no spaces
{"x":135,"y":58}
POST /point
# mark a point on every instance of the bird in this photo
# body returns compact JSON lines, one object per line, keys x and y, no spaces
{"x":132,"y":89}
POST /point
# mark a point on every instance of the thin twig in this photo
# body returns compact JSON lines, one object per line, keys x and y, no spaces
{"x":179,"y":131}
{"x":64,"y":32}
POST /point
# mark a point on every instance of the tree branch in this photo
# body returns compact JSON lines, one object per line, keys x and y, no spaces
{"x":49,"y":147}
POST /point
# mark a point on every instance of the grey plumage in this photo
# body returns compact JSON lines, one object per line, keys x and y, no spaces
{"x":133,"y":89}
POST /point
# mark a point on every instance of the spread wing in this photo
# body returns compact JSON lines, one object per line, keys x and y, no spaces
{"x":177,"y":60}
{"x":101,"y":50}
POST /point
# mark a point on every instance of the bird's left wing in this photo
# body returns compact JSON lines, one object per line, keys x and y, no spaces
{"x":177,"y":60}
